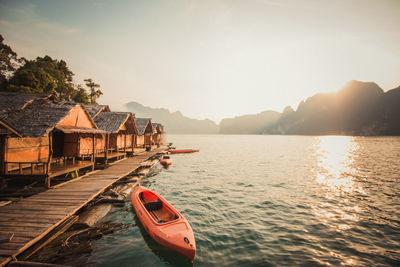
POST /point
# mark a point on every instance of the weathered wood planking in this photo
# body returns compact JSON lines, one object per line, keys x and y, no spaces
{"x":32,"y":218}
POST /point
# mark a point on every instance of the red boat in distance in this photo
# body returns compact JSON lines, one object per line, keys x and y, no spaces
{"x":163,"y":222}
{"x":176,"y":151}
{"x":166,"y":161}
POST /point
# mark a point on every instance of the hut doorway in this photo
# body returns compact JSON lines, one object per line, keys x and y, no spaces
{"x":58,"y":144}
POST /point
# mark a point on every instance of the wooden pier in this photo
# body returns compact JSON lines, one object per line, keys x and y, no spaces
{"x":29,"y":220}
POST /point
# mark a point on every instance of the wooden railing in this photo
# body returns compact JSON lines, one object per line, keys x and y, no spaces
{"x":40,"y":167}
{"x":30,"y":167}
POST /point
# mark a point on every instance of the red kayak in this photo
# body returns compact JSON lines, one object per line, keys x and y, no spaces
{"x":163,"y":222}
{"x":176,"y":151}
{"x":166,"y":161}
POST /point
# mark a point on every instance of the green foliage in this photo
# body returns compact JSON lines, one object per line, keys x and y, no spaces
{"x":81,"y":96}
{"x":93,"y":93}
{"x":43,"y":75}
{"x":32,"y":79}
{"x":8,"y":63}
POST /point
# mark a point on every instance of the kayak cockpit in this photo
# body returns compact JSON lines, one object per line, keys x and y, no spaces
{"x":160,"y":212}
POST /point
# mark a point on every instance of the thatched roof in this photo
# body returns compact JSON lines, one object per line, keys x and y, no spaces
{"x":112,"y":122}
{"x":39,"y":117}
{"x":158,"y":127}
{"x":142,"y":124}
{"x":95,"y":110}
{"x":17,"y":100}
{"x":6,"y":128}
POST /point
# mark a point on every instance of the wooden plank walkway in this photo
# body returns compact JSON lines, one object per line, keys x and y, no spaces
{"x":32,"y":218}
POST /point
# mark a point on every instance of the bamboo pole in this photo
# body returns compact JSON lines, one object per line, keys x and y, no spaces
{"x":125,"y":143}
{"x":94,"y":151}
{"x":108,"y":146}
{"x":49,"y":159}
{"x":133,"y":143}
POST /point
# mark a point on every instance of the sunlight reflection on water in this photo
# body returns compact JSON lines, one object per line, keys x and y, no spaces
{"x":274,"y":201}
{"x":336,"y":165}
{"x":335,"y":157}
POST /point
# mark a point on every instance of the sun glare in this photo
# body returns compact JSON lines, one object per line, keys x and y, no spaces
{"x":335,"y":161}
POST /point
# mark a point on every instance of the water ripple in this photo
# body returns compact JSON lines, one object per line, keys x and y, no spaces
{"x":274,"y":201}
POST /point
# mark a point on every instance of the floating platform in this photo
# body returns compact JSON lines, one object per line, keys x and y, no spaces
{"x":32,"y":218}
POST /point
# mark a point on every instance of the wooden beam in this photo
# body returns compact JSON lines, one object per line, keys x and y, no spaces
{"x":94,"y":148}
{"x":48,"y":169}
{"x":133,"y":143}
{"x":107,"y":147}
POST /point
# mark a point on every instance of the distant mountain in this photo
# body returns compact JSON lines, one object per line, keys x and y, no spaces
{"x":358,"y":108}
{"x":248,"y":124}
{"x":174,"y":122}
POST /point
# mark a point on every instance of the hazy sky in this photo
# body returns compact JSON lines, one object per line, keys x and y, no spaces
{"x":212,"y":58}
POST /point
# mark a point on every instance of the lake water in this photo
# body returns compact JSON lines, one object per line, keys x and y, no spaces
{"x":272,"y":201}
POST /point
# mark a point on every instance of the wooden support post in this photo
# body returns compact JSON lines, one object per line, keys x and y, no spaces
{"x":47,"y":181}
{"x":20,"y":168}
{"x":107,"y":147}
{"x":133,"y":144}
{"x":125,"y":143}
{"x":32,"y":168}
{"x":94,"y":148}
{"x":48,"y":169}
{"x":116,"y":144}
{"x":50,"y":157}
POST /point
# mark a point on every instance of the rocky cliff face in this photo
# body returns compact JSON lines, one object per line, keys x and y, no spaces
{"x":248,"y":124}
{"x":358,"y":108}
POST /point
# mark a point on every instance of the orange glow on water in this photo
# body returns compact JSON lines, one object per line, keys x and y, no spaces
{"x":335,"y":164}
{"x":335,"y":172}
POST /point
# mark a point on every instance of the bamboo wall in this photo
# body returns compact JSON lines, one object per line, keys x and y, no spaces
{"x":147,"y":140}
{"x":78,"y":145}
{"x":115,"y":140}
{"x":129,"y":140}
{"x":140,"y":141}
{"x":26,"y":149}
{"x":100,"y":143}
{"x":121,"y":141}
{"x":85,"y":145}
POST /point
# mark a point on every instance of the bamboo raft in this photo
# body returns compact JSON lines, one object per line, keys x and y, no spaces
{"x":24,"y":223}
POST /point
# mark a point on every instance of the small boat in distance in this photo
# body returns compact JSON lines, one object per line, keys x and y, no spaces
{"x":163,"y":222}
{"x":176,"y":151}
{"x":166,"y":160}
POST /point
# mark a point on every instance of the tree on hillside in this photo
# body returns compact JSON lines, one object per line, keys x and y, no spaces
{"x":9,"y":62}
{"x":81,"y":96}
{"x":94,"y":93}
{"x":44,"y":75}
